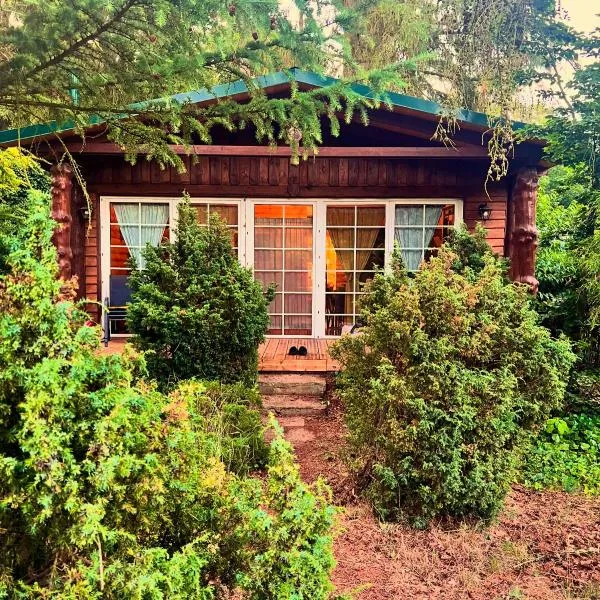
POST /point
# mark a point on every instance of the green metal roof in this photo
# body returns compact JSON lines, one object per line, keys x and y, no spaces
{"x":225,"y":90}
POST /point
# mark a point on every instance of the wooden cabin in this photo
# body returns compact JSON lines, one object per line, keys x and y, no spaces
{"x":318,"y":230}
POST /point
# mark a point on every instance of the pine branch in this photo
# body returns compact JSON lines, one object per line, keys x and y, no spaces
{"x":72,"y":49}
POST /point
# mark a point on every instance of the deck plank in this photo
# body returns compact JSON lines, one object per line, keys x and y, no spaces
{"x":273,"y":355}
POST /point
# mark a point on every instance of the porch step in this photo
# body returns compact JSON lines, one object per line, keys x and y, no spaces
{"x":291,"y":384}
{"x":294,"y":406}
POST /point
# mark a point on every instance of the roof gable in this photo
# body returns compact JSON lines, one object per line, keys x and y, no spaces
{"x":402,"y":103}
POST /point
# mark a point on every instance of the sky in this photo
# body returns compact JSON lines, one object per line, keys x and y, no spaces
{"x":582,"y":14}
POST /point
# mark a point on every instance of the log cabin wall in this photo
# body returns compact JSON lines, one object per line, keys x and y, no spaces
{"x":276,"y":177}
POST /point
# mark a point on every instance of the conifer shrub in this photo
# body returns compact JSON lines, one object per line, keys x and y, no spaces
{"x":195,"y":310}
{"x":443,"y":386}
{"x":111,"y":489}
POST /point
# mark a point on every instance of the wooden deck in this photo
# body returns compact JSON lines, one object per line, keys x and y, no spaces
{"x":273,"y":355}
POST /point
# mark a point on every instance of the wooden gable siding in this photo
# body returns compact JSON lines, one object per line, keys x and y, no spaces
{"x":276,"y":177}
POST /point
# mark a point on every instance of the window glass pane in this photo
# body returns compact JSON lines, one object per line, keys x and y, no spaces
{"x":448,"y":217}
{"x":297,"y":304}
{"x":409,"y":238}
{"x":298,"y":215}
{"x":339,"y":282}
{"x":119,"y":257}
{"x":275,"y":325}
{"x":125,"y":212}
{"x":152,"y":234}
{"x":298,"y":237}
{"x":340,"y":260}
{"x":339,"y":304}
{"x":436,"y":237}
{"x":334,"y":324}
{"x":276,"y":304}
{"x":227,"y":212}
{"x":370,"y":216}
{"x":268,"y":214}
{"x":268,"y":237}
{"x":202,"y":213}
{"x":269,"y":277}
{"x":268,"y":260}
{"x":298,"y":260}
{"x":369,"y":260}
{"x":154,"y":214}
{"x":341,"y":238}
{"x":370,"y":238}
{"x":338,"y":216}
{"x":362,"y":279}
{"x":116,"y":237}
{"x":409,"y":214}
{"x":297,"y":325}
{"x":298,"y":282}
{"x":412,"y":259}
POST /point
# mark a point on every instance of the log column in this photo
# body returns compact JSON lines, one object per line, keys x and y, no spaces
{"x":62,"y":192}
{"x":523,"y":236}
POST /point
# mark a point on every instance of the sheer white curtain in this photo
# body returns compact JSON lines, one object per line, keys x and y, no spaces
{"x":128,"y":216}
{"x":432,"y":220}
{"x":140,"y":225}
{"x":415,"y":227}
{"x":153,"y":221}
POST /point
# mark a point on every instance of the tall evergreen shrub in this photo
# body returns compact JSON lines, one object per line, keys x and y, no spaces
{"x":195,"y":308}
{"x":443,"y":385}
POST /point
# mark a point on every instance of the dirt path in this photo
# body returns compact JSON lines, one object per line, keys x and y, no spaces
{"x":544,"y":546}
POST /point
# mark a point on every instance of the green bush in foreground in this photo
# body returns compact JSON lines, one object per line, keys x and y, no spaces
{"x":198,"y":312}
{"x":565,"y":455}
{"x":443,"y":386}
{"x":110,"y":489}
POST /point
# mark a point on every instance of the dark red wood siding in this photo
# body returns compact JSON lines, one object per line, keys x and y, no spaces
{"x":276,"y":177}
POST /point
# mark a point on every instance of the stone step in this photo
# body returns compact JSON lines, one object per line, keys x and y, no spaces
{"x":294,"y":406}
{"x":292,"y":384}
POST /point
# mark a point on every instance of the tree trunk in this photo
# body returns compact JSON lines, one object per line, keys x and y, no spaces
{"x":523,"y":235}
{"x":62,"y":188}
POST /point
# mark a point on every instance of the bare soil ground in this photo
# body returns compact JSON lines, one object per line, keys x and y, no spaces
{"x":544,"y":545}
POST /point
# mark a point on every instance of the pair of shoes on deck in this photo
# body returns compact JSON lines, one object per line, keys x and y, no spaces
{"x":302,"y":351}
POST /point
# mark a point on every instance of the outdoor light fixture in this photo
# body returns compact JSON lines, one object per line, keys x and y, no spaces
{"x":485,"y":212}
{"x":85,"y":212}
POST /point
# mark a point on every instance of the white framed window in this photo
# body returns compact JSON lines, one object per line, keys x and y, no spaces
{"x":354,"y":251}
{"x":127,"y":224}
{"x":421,"y":229}
{"x":319,"y":252}
{"x":283,"y":254}
{"x":229,"y":211}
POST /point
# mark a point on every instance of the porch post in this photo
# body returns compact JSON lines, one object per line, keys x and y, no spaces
{"x":523,"y":235}
{"x":62,"y":192}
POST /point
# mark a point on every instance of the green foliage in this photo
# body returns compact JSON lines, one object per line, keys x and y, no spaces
{"x":19,"y":173}
{"x":228,"y":415}
{"x":442,"y":387}
{"x":195,"y":309}
{"x":471,"y":249}
{"x":569,"y":259}
{"x":566,"y":455}
{"x":585,"y":396}
{"x":110,"y":489}
{"x":562,"y":203}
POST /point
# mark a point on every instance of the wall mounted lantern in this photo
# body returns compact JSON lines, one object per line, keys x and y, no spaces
{"x":485,"y":212}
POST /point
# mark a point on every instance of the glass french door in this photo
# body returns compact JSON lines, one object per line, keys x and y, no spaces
{"x":283,"y":255}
